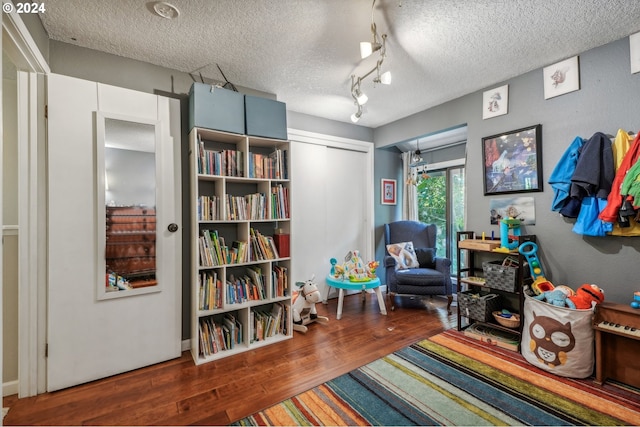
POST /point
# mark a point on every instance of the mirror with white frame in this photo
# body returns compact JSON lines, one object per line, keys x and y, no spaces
{"x":128,"y":205}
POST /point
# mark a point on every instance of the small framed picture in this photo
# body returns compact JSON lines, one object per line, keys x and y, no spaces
{"x":388,"y":191}
{"x":495,"y":102}
{"x":561,"y":78}
{"x":634,"y":52}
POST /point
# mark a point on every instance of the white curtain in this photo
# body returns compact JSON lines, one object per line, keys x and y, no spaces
{"x":409,"y":192}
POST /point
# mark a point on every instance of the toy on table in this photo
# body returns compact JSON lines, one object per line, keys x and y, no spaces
{"x":587,"y":296}
{"x":636,"y":300}
{"x":540,"y":283}
{"x":304,"y":306}
{"x":354,"y":268}
{"x":509,"y":233}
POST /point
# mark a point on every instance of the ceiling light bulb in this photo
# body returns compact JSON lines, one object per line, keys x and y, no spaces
{"x":366,"y":49}
{"x":361,"y":98}
{"x":385,"y":78}
{"x":356,"y":116}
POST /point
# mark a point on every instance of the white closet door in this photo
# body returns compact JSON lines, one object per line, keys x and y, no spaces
{"x":308,"y":217}
{"x":330,"y":208}
{"x":93,"y":334}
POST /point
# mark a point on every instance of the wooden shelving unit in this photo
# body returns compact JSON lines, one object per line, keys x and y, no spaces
{"x":471,"y":277}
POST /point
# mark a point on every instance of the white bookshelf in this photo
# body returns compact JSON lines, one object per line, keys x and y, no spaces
{"x":236,"y":180}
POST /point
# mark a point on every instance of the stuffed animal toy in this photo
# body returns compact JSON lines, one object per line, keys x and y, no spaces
{"x":587,"y":296}
{"x":304,"y":306}
{"x":555,"y":297}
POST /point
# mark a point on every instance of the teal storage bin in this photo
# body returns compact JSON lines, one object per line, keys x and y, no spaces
{"x":217,"y":109}
{"x":264,"y":117}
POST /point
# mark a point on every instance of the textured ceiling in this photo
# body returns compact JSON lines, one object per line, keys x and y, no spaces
{"x":305,"y":51}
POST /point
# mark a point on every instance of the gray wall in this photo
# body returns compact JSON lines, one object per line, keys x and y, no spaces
{"x":605,"y":102}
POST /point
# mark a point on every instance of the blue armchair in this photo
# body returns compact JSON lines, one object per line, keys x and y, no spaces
{"x":433,"y":274}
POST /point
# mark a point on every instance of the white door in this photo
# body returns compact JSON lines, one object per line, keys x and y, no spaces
{"x":114,"y":262}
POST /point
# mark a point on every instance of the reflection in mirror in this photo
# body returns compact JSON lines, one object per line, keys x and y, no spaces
{"x":130,"y":198}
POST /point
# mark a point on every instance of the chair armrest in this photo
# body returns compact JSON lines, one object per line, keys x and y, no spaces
{"x":443,"y":265}
{"x":389,"y":261}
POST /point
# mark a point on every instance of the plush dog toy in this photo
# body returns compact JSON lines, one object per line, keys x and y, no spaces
{"x":587,"y":296}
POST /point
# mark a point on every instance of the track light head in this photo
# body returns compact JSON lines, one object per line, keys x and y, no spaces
{"x":385,"y":78}
{"x":367,"y":48}
{"x":356,"y":116}
{"x":361,"y":98}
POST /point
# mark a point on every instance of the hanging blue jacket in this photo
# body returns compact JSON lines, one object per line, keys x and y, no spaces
{"x":560,"y":179}
{"x":588,"y":223}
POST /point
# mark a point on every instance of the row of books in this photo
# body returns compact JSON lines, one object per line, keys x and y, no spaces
{"x":216,"y":336}
{"x":247,"y":207}
{"x":214,"y":252}
{"x":231,"y":163}
{"x":262,"y":247}
{"x":210,"y":288}
{"x":269,"y":323}
{"x":279,"y":202}
{"x":209,"y":208}
{"x":269,"y":166}
{"x":250,"y":287}
{"x":279,"y":281}
{"x":224,"y":162}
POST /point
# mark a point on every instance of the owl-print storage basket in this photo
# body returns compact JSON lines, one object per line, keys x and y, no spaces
{"x":558,"y":339}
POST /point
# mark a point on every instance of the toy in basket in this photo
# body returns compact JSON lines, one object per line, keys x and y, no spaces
{"x":507,"y":319}
{"x":304,"y":306}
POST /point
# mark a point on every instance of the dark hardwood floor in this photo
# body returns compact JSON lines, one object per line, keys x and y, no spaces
{"x":178,"y":392}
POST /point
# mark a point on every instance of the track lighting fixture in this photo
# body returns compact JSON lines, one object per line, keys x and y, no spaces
{"x":366,"y":49}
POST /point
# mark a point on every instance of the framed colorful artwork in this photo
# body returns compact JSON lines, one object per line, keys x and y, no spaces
{"x":513,"y":161}
{"x":495,"y":102}
{"x":561,"y":78}
{"x":388,"y":191}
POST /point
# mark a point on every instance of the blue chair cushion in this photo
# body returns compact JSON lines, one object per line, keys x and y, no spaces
{"x":420,"y":277}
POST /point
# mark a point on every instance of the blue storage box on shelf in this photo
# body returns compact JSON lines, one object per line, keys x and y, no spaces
{"x":264,"y":117}
{"x":216,"y":108}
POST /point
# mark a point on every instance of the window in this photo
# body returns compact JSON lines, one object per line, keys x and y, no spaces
{"x":440,"y":196}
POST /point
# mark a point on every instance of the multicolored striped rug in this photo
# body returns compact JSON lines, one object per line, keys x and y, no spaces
{"x":451,"y":379}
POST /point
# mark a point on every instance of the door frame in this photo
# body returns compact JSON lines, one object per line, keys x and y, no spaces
{"x":20,"y":46}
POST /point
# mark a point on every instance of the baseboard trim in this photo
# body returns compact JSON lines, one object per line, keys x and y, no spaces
{"x":10,"y":388}
{"x":186,"y":345}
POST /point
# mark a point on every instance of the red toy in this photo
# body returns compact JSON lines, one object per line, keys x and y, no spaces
{"x":586,"y":296}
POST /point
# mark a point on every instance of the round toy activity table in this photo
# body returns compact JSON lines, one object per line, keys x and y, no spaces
{"x":355,"y":286}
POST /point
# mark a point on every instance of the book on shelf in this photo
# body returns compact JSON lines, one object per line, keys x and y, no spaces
{"x":279,"y":281}
{"x":225,"y":162}
{"x":279,"y":202}
{"x":208,"y":208}
{"x":210,"y":297}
